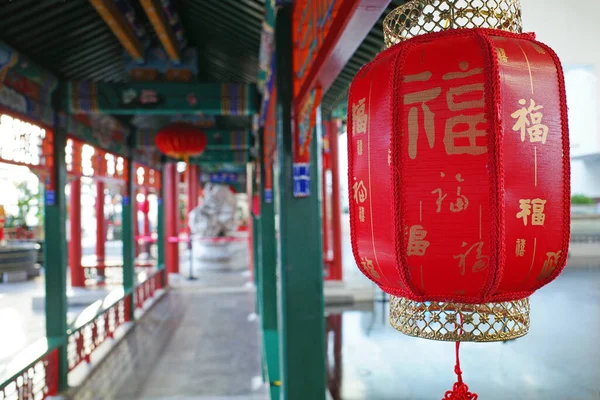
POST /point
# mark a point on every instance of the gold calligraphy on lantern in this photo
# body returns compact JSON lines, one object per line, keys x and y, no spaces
{"x":369,"y":267}
{"x":359,"y":147}
{"x":417,"y":245}
{"x":529,"y":121}
{"x":550,"y":265}
{"x":463,"y":128}
{"x":479,"y":263}
{"x":389,"y":156}
{"x":533,"y":208}
{"x":538,"y":48}
{"x":420,"y":99}
{"x":360,"y":192}
{"x":520,"y":248}
{"x":361,"y":214}
{"x":440,"y":198}
{"x":461,"y":131}
{"x":359,"y":117}
{"x":461,"y":203}
{"x":501,"y":55}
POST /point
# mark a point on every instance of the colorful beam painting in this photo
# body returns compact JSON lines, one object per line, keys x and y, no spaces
{"x":163,"y":98}
{"x":119,"y":25}
{"x":160,"y":22}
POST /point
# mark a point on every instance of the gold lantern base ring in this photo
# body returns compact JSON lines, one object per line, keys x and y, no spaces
{"x":460,"y":322}
{"x":418,"y":17}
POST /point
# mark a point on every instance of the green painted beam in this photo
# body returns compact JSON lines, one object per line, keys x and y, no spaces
{"x":55,"y":249}
{"x":300,"y":265}
{"x":163,"y":98}
{"x":220,"y":167}
{"x":216,"y":156}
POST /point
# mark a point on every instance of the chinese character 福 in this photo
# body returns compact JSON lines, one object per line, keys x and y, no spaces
{"x":417,"y":245}
{"x":359,"y":117}
{"x":360,"y":192}
{"x":481,"y":261}
{"x":529,"y":119}
{"x":538,"y":217}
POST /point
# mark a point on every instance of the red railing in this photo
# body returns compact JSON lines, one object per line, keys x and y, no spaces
{"x":145,"y":290}
{"x":38,"y":380}
{"x":95,"y":325}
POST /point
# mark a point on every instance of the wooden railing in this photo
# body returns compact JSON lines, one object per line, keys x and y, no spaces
{"x":38,"y":379}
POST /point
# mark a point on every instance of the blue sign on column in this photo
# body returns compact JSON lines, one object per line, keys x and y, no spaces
{"x":301,"y":179}
{"x":50,"y":197}
{"x":223,"y":177}
{"x":268,"y":195}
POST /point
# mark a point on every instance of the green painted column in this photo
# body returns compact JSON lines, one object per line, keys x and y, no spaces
{"x":128,"y":238}
{"x":300,"y":262}
{"x":267,"y":280}
{"x":160,"y":230}
{"x":55,"y":246}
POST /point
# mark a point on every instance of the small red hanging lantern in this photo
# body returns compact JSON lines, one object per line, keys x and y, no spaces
{"x":181,"y":140}
{"x":459,"y":171}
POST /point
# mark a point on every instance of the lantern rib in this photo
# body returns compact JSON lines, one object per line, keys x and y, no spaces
{"x":564,"y":117}
{"x":397,"y":172}
{"x":496,"y":165}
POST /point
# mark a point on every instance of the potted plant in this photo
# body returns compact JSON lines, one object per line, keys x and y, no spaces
{"x":581,"y":204}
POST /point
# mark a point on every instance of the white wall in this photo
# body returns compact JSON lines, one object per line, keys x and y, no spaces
{"x":571,"y":28}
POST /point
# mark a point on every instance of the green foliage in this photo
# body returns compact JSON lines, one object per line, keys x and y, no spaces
{"x":27,"y":199}
{"x":581,"y":199}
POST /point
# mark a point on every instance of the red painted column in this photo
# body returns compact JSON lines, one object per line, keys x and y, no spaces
{"x":146,"y":211}
{"x":336,"y":209}
{"x":77,"y":272}
{"x":171,"y":208}
{"x":192,"y":187}
{"x":325,"y":201}
{"x":136,"y":221}
{"x":100,"y":223}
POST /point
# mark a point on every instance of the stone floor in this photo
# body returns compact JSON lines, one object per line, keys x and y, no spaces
{"x":558,"y":360}
{"x":202,"y":342}
{"x":199,"y":342}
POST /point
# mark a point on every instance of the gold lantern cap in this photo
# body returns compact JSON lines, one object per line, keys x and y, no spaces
{"x":419,"y":17}
{"x":460,"y":322}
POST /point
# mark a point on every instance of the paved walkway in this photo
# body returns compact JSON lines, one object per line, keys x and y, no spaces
{"x":199,"y":342}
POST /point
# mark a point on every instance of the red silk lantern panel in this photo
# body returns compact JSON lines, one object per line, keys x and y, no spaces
{"x":181,"y":140}
{"x":459,"y":167}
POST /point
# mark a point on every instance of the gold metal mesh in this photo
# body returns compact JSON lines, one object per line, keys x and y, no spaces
{"x":418,"y":17}
{"x":488,"y":322}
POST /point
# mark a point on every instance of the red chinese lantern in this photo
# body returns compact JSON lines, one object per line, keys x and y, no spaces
{"x":181,"y":140}
{"x":459,"y":171}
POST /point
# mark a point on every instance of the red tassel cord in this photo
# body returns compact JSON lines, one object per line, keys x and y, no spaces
{"x":460,"y":391}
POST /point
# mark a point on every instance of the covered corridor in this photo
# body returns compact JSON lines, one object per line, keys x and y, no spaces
{"x":183,"y":215}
